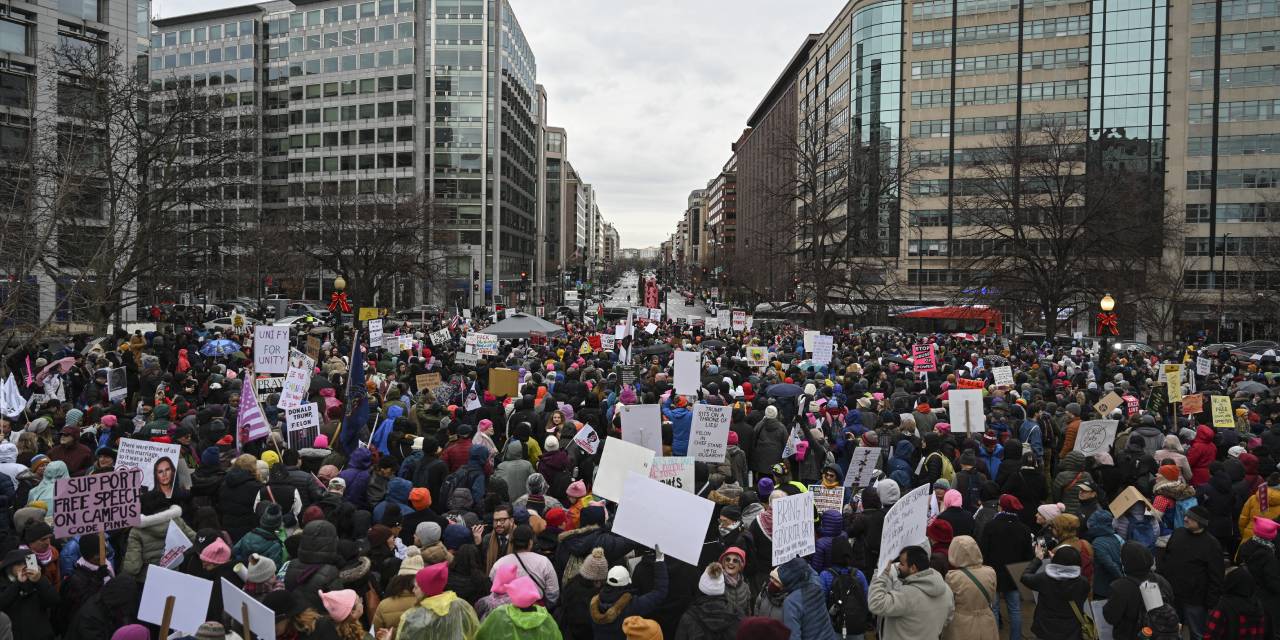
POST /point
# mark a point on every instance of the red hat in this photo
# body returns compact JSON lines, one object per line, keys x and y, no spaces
{"x":1010,"y":503}
{"x":733,"y":438}
{"x":226,"y":441}
{"x":1170,"y":472}
{"x":556,"y":517}
{"x":681,"y":401}
{"x":420,"y":498}
{"x":431,"y":580}
{"x":735,"y":551}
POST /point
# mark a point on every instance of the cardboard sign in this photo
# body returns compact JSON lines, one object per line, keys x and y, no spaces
{"x":1127,"y":498}
{"x":297,"y":383}
{"x":1108,"y":403}
{"x":1173,"y":381}
{"x":1003,"y":376}
{"x":688,"y":367}
{"x":262,"y":620}
{"x":1095,"y":436}
{"x":1223,"y":418}
{"x":270,"y":349}
{"x":117,"y":384}
{"x":441,"y":337}
{"x":904,"y":525}
{"x":757,"y":356}
{"x":683,"y":522}
{"x":98,"y":502}
{"x":486,"y":344}
{"x":420,"y":382}
{"x":1203,"y":366}
{"x":862,"y":467}
{"x":642,"y":425}
{"x":709,"y":433}
{"x":430,"y":380}
{"x":792,"y":527}
{"x":1192,"y":404}
{"x":924,"y":358}
{"x":587,"y":439}
{"x":268,"y":386}
{"x":150,"y":457}
{"x":303,"y":416}
{"x":190,"y":594}
{"x":375,"y":333}
{"x":176,"y":544}
{"x":825,"y":500}
{"x":504,"y":382}
{"x":674,"y":471}
{"x":965,"y":408}
{"x":620,"y":458}
{"x":368,"y":313}
{"x":313,"y":347}
{"x":822,"y":348}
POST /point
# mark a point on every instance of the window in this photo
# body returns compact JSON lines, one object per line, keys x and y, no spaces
{"x":1202,"y":12}
{"x":13,"y":37}
{"x":1234,"y":179}
{"x":1264,"y":76}
{"x":368,"y":9}
{"x":1234,"y":212}
{"x":331,"y":15}
{"x":1244,"y":111}
{"x":349,"y":12}
{"x":184,"y":36}
{"x":1253,"y":145}
{"x":315,"y":18}
{"x":1237,"y":43}
{"x":230,"y":29}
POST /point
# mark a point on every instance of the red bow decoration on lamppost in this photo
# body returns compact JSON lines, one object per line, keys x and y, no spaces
{"x":1108,"y":323}
{"x":339,"y":301}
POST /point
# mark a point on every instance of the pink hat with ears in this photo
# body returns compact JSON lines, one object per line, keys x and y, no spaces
{"x":339,"y":604}
{"x":1265,"y":528}
{"x":523,"y":592}
{"x":506,"y":573}
{"x":802,"y":448}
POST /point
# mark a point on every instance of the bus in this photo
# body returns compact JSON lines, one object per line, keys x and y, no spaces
{"x":979,"y":319}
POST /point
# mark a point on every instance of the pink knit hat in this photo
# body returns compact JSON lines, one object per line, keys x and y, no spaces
{"x":576,"y":490}
{"x":339,"y":604}
{"x":523,"y":591}
{"x":506,"y":573}
{"x":952,"y":498}
{"x":1264,"y":528}
{"x":431,"y":579}
{"x":216,"y":553}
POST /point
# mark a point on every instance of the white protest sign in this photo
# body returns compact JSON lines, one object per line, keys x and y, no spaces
{"x":650,"y":328}
{"x":965,"y":408}
{"x":688,"y":370}
{"x":709,"y":433}
{"x":441,"y":337}
{"x":96,"y":502}
{"x":682,"y":524}
{"x":262,"y":620}
{"x":792,"y":527}
{"x":757,"y":356}
{"x":117,"y":384}
{"x":738,"y":319}
{"x":176,"y":544}
{"x":904,"y":525}
{"x":587,"y":439}
{"x":1003,"y":375}
{"x":1095,"y":436}
{"x":822,"y":349}
{"x":375,"y":333}
{"x":190,"y":599}
{"x":862,"y":467}
{"x":808,"y":340}
{"x":297,"y":383}
{"x":642,"y":425}
{"x":825,"y":499}
{"x":270,"y":349}
{"x":620,"y":458}
{"x":676,"y":471}
{"x":655,"y":315}
{"x":620,"y":331}
{"x":467,"y":359}
{"x":406,"y":342}
{"x":793,"y":440}
{"x":1203,"y":365}
{"x":608,"y":342}
{"x":303,"y":416}
{"x":486,"y":344}
{"x":150,"y":457}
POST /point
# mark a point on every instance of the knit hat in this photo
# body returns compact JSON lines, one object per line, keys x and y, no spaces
{"x":420,"y":498}
{"x":431,"y":580}
{"x":74,"y":418}
{"x":1010,"y":502}
{"x":132,"y":632}
{"x":619,"y":577}
{"x":734,"y":551}
{"x":210,"y":631}
{"x":733,"y":438}
{"x":712,"y":581}
{"x":1199,"y":514}
{"x":216,"y":553}
{"x":552,"y":443}
{"x":339,"y":603}
{"x":523,"y":592}
{"x":593,"y":515}
{"x":888,"y":491}
{"x":1051,"y":511}
{"x":969,"y":459}
{"x":503,"y":577}
{"x":536,"y":484}
{"x":271,"y":458}
{"x":456,"y":535}
{"x":285,"y":604}
{"x":763,"y":628}
{"x":771,"y":412}
{"x":327,"y":473}
{"x":576,"y":490}
{"x":1073,"y":408}
{"x":1234,"y":452}
{"x":637,"y":628}
{"x":321,"y":442}
{"x":595,"y":567}
{"x":1264,"y":528}
{"x":1170,"y":472}
{"x":556,"y":517}
{"x":941,"y":483}
{"x":260,"y":569}
{"x":271,"y":518}
{"x":412,"y":562}
{"x":952,"y":498}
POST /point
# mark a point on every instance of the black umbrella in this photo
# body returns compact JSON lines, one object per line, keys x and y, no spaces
{"x":318,"y":383}
{"x":713,"y":344}
{"x":899,"y":360}
{"x":784,"y":390}
{"x":657,"y":349}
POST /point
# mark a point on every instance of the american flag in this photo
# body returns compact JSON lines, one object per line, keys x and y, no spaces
{"x":250,"y":423}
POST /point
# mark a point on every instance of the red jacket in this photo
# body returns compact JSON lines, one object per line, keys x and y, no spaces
{"x":455,"y":455}
{"x":1201,"y":453}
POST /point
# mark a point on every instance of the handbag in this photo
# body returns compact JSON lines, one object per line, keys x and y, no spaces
{"x":1088,"y":628}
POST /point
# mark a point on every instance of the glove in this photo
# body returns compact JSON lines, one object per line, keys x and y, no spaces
{"x":658,"y":555}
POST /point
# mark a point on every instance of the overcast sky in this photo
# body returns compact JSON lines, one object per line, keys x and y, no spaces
{"x":651,"y":92}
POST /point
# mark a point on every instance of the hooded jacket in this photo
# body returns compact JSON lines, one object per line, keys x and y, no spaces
{"x":1252,"y":508}
{"x":1058,"y":586}
{"x":900,"y":465}
{"x":973,"y":617}
{"x":681,"y":421}
{"x":1106,"y":552}
{"x":9,"y":462}
{"x":770,"y":439}
{"x":1218,"y":498}
{"x":1192,"y":563}
{"x":356,"y":476}
{"x":918,"y":606}
{"x":1202,"y":452}
{"x":397,"y":494}
{"x":1124,"y":608}
{"x":235,"y":501}
{"x":510,"y":621}
{"x":830,"y":526}
{"x":709,"y":618}
{"x":146,"y":540}
{"x":614,"y":604}
{"x":316,"y":567}
{"x":515,"y":469}
{"x":804,"y":610}
{"x":1066,"y":485}
{"x":1005,"y":541}
{"x":382,"y":434}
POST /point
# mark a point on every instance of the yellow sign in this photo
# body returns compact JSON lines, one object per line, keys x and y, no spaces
{"x":1173,"y":379}
{"x":371,"y":313}
{"x":1222,"y":416}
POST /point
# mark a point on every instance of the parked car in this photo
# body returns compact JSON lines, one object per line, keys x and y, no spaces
{"x":224,"y":324}
{"x":302,"y":308}
{"x":416,"y":313}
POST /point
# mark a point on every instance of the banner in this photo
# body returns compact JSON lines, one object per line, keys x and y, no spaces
{"x":1095,"y":436}
{"x":270,"y":349}
{"x":98,"y":502}
{"x":674,"y":471}
{"x":1223,"y":418}
{"x":587,"y":439}
{"x":681,"y":527}
{"x":709,"y":433}
{"x":642,"y":425}
{"x":827,"y":499}
{"x":176,"y":544}
{"x":862,"y":467}
{"x":793,"y":527}
{"x":620,"y":458}
{"x":904,"y":525}
{"x":924,"y":358}
{"x":297,"y":383}
{"x":1003,"y":376}
{"x":375,"y":333}
{"x":964,"y":406}
{"x":688,"y":369}
{"x":150,"y":457}
{"x":969,"y":383}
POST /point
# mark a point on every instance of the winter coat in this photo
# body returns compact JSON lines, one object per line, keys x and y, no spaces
{"x":1124,"y":609}
{"x":262,"y":542}
{"x":397,"y":494}
{"x":515,"y":470}
{"x":919,"y":606}
{"x":737,"y":459}
{"x":30,"y":606}
{"x":146,"y":541}
{"x":1058,"y":586}
{"x":900,"y":468}
{"x":681,"y":422}
{"x":1202,"y":452}
{"x":1193,"y":565}
{"x":356,"y":476}
{"x":770,"y":440}
{"x":236,"y":499}
{"x":1259,"y":556}
{"x":1178,"y":458}
{"x":973,"y":617}
{"x":1066,"y":485}
{"x":709,"y":618}
{"x":391,"y":609}
{"x":509,"y":621}
{"x":1106,"y":552}
{"x":113,"y":606}
{"x":574,"y":614}
{"x":830,"y":525}
{"x":316,"y":567}
{"x":804,"y":610}
{"x":1251,"y":509}
{"x":1220,"y":501}
{"x":578,"y":543}
{"x":614,"y":604}
{"x":1005,"y":541}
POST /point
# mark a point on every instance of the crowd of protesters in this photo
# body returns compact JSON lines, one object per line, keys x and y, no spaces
{"x":452,"y":512}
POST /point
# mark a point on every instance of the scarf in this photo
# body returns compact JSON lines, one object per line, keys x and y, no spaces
{"x":93,"y":568}
{"x":1262,"y":496}
{"x":766,"y":522}
{"x":44,"y":558}
{"x":732,"y":580}
{"x":833,"y":485}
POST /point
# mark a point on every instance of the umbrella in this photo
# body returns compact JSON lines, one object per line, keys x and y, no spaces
{"x":219,"y":348}
{"x":784,"y":390}
{"x":658,"y":349}
{"x":519,"y":326}
{"x":63,"y":364}
{"x":713,"y":344}
{"x":899,"y":361}
{"x":1250,"y":386}
{"x":93,"y":345}
{"x":318,"y":383}
{"x":812,"y":365}
{"x":1266,"y":356}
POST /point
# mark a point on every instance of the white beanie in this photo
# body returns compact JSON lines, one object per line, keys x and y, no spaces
{"x":810,"y":390}
{"x":712,"y":581}
{"x":888,"y":491}
{"x":1235,"y":451}
{"x":552,"y":443}
{"x":771,"y":412}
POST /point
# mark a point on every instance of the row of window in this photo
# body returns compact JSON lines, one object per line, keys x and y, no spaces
{"x":1002,"y":94}
{"x":981,"y":156}
{"x":334,"y":64}
{"x":930,"y":9}
{"x":1234,"y":179}
{"x":333,"y":15}
{"x":345,"y":38}
{"x":1233,"y":43}
{"x":1004,"y":32}
{"x":1002,"y":62}
{"x":1254,"y":145}
{"x":1234,"y":212}
{"x":1234,"y":77}
{"x":1242,"y":111}
{"x":202,"y":56}
{"x":996,"y":124}
{"x":351,"y":137}
{"x":385,"y":186}
{"x":362,"y":162}
{"x":1202,"y":12}
{"x":352,"y":112}
{"x":201,"y":34}
{"x":1212,"y":279}
{"x":1233,"y":246}
{"x":351,"y":87}
{"x":212,"y":79}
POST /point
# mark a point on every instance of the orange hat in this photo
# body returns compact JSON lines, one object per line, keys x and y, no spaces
{"x":420,"y":498}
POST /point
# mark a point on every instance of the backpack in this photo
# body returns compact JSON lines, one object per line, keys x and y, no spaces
{"x":1141,"y":531}
{"x":461,"y":479}
{"x":1162,"y":620}
{"x":948,"y":470}
{"x":847,"y":604}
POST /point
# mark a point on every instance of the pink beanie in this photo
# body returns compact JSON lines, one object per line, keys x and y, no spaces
{"x":576,"y":490}
{"x":523,"y":592}
{"x":802,"y":448}
{"x":431,"y":580}
{"x":1051,"y":511}
{"x":339,"y":604}
{"x":1264,"y":528}
{"x":321,"y":442}
{"x":952,"y":498}
{"x":216,"y":553}
{"x":505,"y":575}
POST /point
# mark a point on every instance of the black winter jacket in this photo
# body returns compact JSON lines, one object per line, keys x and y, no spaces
{"x":1192,"y":563}
{"x":235,"y":502}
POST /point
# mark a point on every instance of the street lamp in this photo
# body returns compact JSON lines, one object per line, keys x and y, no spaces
{"x":1106,"y":324}
{"x":339,"y":304}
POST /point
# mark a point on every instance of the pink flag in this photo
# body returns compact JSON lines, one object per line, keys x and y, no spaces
{"x":250,"y":423}
{"x":30,"y":376}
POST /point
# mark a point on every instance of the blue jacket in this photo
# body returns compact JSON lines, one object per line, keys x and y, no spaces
{"x":380,"y":435}
{"x":830,"y":526}
{"x":398,"y":494}
{"x":681,"y":422}
{"x":828,"y":578}
{"x":356,"y":476}
{"x":1030,"y":434}
{"x":805,"y":609}
{"x":900,"y":465}
{"x":1107,"y":565}
{"x":991,"y":460}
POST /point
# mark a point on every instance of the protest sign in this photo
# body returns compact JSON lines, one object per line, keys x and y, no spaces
{"x":406,"y":342}
{"x":486,"y":344}
{"x":655,"y":315}
{"x":642,"y":425}
{"x":190,"y":599}
{"x":303,"y":416}
{"x":822,"y":349}
{"x":970,"y":383}
{"x":235,"y":603}
{"x":441,"y":337}
{"x":176,"y":544}
{"x":924,"y":358}
{"x":420,"y":382}
{"x":675,"y":471}
{"x":825,"y":499}
{"x":537,"y":337}
{"x":1173,"y":381}
{"x":504,"y":382}
{"x":1131,"y":404}
{"x":679,"y":529}
{"x":368,"y":313}
{"x":1192,"y":404}
{"x":466,"y":359}
{"x":587,"y":439}
{"x":375,"y":333}
{"x":862,"y":467}
{"x":313,"y":347}
{"x":757,"y":356}
{"x":97,"y":502}
{"x":904,"y":525}
{"x":270,"y":349}
{"x":430,"y":380}
{"x":1003,"y":376}
{"x":1095,"y":436}
{"x":620,"y":458}
{"x":808,"y":340}
{"x":1108,"y":403}
{"x":117,"y":384}
{"x":688,"y":371}
{"x":792,"y":527}
{"x":1222,"y":416}
{"x":150,"y":457}
{"x":793,"y":440}
{"x":1203,"y":365}
{"x":738,"y":319}
{"x":267,"y":386}
{"x":297,"y":383}
{"x":473,"y":401}
{"x":650,"y":328}
{"x":709,"y":433}
{"x":608,"y":342}
{"x":965,"y":408}
{"x":619,"y":332}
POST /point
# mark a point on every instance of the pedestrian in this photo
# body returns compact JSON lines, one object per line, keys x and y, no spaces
{"x":1239,"y":614}
{"x":1192,"y":563}
{"x":617,"y":601}
{"x":804,"y":609}
{"x":910,"y":599}
{"x":1061,"y":612}
{"x":1258,"y":555}
{"x":522,"y":618}
{"x":439,"y":613}
{"x":710,"y":617}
